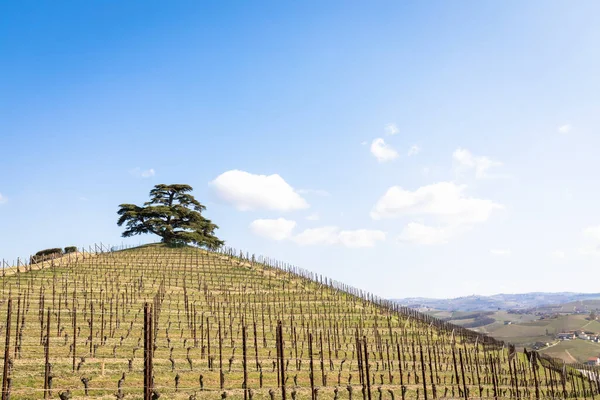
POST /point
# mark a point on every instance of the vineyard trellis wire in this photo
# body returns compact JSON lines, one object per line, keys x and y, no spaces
{"x":307,"y":335}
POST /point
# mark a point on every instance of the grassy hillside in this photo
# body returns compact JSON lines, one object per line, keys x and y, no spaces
{"x":206,"y":304}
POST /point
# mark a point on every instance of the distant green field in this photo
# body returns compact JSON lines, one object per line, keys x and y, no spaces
{"x":502,"y":316}
{"x":550,"y":326}
{"x":570,"y":350}
{"x":526,"y":329}
{"x":516,"y":330}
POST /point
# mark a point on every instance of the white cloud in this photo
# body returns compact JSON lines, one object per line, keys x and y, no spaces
{"x":142,"y":173}
{"x":364,"y":143}
{"x":276,"y":229}
{"x":566,"y":128}
{"x":313,"y":217}
{"x":382,"y":151}
{"x":558,"y":254}
{"x":443,"y":200}
{"x":3,"y":199}
{"x":248,"y":191}
{"x":501,"y":252}
{"x":148,"y":173}
{"x":391,"y":129}
{"x":418,"y":233}
{"x":332,"y":235}
{"x":281,"y":229}
{"x":414,"y":150}
{"x":465,"y":160}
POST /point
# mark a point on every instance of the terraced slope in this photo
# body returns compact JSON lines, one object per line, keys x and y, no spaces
{"x":211,"y":311}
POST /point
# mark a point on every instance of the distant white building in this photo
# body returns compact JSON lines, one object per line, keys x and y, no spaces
{"x":593,"y":361}
{"x":583,"y":336}
{"x":566,"y":336}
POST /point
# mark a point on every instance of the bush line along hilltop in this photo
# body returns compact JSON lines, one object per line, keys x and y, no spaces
{"x":48,"y":254}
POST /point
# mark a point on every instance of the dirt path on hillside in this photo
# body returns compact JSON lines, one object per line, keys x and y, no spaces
{"x":586,"y":325}
{"x":572,"y":358}
{"x":552,"y":345}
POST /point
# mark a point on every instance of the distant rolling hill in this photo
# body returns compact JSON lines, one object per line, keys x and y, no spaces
{"x":530,"y":320}
{"x":497,"y":301}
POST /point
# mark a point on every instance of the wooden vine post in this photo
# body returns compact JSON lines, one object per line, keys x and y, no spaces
{"x":281,"y":358}
{"x":312,"y":376}
{"x":74,"y":334}
{"x":245,"y":360}
{"x":148,"y":343}
{"x":47,"y":357}
{"x":367,"y":369}
{"x":6,"y":352}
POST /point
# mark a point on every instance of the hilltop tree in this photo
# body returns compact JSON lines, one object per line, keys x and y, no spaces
{"x":173,"y":214}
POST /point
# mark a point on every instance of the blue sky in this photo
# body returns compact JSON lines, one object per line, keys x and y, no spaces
{"x":407,"y":148}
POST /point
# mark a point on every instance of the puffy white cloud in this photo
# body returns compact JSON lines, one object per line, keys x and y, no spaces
{"x":332,"y":235}
{"x":391,"y":129}
{"x":140,"y":173}
{"x":464,"y":159}
{"x":382,"y":151}
{"x":3,"y":199}
{"x":501,"y":252}
{"x":281,"y":229}
{"x":276,"y":229}
{"x":566,"y":128}
{"x":248,"y":191}
{"x":444,"y":200}
{"x":414,"y":150}
{"x":419,"y":233}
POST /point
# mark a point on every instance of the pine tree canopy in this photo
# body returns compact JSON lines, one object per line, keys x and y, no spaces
{"x":173,"y":214}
